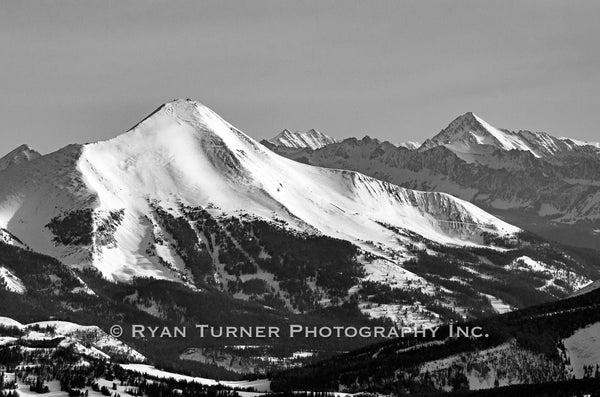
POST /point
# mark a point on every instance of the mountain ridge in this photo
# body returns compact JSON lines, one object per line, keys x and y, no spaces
{"x":552,"y":183}
{"x":311,"y":139}
{"x":19,"y":155}
{"x":115,"y":204}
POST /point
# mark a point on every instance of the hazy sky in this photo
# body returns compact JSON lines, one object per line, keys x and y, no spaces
{"x":81,"y":71}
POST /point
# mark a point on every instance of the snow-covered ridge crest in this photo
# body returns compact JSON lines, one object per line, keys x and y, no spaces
{"x":88,"y":340}
{"x":8,"y":238}
{"x":185,"y":154}
{"x":311,"y":139}
{"x":576,"y":142}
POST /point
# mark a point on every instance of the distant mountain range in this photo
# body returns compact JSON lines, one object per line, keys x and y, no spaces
{"x":547,"y":185}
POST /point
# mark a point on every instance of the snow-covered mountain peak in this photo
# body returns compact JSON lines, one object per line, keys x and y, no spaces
{"x":469,"y":131}
{"x":474,"y":140}
{"x":184,"y":154}
{"x":311,"y":139}
{"x":185,"y":110}
{"x":17,"y":156}
{"x":410,"y":145}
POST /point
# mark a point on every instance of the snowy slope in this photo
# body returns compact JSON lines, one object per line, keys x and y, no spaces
{"x":259,"y":385}
{"x":587,"y":288}
{"x":11,"y":282}
{"x":34,"y":192}
{"x":186,"y":154}
{"x":101,"y":342}
{"x":89,"y":340}
{"x":9,"y":322}
{"x":8,"y":238}
{"x":18,"y":156}
{"x":583,"y":349}
{"x":310,"y":139}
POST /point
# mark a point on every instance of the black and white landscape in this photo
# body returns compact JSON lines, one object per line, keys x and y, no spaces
{"x":184,"y":220}
{"x":367,"y":249}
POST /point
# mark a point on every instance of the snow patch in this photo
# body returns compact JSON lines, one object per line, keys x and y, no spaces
{"x":583,"y":348}
{"x":498,"y":304}
{"x":260,"y":385}
{"x":11,"y":282}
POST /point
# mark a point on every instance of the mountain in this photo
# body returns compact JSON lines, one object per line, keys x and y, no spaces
{"x":310,"y":139}
{"x":186,"y":220}
{"x":473,"y":139}
{"x":185,"y":196}
{"x":19,"y":155}
{"x":551,"y":187}
{"x":104,"y":196}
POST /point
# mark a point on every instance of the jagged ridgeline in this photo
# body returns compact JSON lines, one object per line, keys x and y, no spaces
{"x":539,"y":182}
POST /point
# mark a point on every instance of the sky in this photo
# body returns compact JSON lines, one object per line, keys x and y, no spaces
{"x":82,"y":71}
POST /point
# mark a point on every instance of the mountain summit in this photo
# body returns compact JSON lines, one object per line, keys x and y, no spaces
{"x":472,"y":138}
{"x":311,"y":139}
{"x":104,"y":204}
{"x":17,"y":156}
